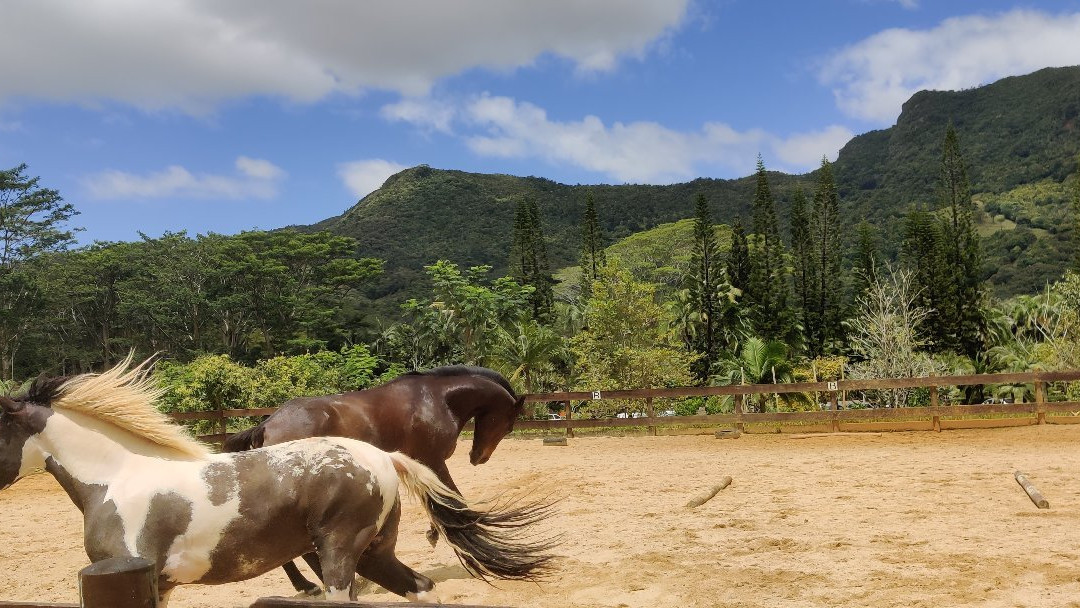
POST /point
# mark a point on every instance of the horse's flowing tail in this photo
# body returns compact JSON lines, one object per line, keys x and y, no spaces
{"x":493,"y":543}
{"x":247,"y":439}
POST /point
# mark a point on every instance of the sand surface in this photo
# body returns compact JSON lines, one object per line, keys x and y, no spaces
{"x":891,"y":519}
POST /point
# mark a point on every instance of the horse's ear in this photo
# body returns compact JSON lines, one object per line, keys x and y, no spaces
{"x":9,"y":405}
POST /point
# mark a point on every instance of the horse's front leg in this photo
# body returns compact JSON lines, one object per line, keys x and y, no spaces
{"x":443,"y":474}
{"x":299,"y":581}
{"x":338,"y":556}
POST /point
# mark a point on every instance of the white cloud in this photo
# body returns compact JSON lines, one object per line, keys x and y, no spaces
{"x":426,"y":112}
{"x":636,"y":152}
{"x":805,"y":150}
{"x":363,"y":177}
{"x":192,"y":54}
{"x":257,"y":179}
{"x":872,"y":78}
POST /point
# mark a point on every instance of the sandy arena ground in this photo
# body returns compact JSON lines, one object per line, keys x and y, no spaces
{"x":891,"y":519}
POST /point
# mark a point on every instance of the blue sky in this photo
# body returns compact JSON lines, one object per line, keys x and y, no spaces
{"x":207,"y":115}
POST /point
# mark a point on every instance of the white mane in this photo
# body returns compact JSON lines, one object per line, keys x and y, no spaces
{"x":124,"y":397}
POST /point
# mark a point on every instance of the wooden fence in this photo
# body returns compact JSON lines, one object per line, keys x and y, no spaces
{"x":831,"y":392}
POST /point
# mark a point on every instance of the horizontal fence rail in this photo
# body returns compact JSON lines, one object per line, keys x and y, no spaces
{"x":1039,"y":408}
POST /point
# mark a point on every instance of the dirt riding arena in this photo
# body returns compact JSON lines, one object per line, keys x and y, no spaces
{"x":891,"y":519}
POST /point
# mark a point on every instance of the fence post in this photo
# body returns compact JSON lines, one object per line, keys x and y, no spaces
{"x":650,"y":412}
{"x":834,"y":405}
{"x":934,"y":403}
{"x":1040,"y":401}
{"x":739,"y":412}
{"x":222,"y":426}
{"x":119,"y":582}
{"x":569,"y":414}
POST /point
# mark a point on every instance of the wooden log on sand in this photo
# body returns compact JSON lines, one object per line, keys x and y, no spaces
{"x":554,"y":440}
{"x":704,"y":497}
{"x":1033,"y":493}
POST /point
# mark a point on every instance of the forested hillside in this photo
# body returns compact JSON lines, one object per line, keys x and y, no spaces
{"x":1014,"y":132}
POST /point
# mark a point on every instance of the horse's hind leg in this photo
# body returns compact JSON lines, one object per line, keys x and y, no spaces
{"x":379,"y":565}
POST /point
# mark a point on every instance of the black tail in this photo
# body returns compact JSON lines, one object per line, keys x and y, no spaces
{"x":495,"y":543}
{"x":248,"y":439}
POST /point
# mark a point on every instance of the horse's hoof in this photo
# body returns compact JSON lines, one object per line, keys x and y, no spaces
{"x":432,"y":536}
{"x":311,"y":593}
{"x":428,"y":597}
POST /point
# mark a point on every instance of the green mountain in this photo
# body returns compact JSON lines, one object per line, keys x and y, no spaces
{"x":1015,"y":134}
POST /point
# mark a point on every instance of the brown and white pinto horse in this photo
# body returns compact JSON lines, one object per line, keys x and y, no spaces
{"x":419,"y":414}
{"x":147,"y":490}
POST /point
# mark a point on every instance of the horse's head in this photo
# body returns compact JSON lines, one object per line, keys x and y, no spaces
{"x":492,"y":424}
{"x":19,"y":454}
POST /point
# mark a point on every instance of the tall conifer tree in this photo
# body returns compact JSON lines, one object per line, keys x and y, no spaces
{"x":802,"y":258}
{"x":738,"y":262}
{"x":705,"y":278}
{"x":866,"y":258}
{"x":922,"y":250}
{"x":529,"y":259}
{"x":769,"y":289}
{"x":827,"y":286}
{"x":592,"y":246}
{"x":963,"y":253}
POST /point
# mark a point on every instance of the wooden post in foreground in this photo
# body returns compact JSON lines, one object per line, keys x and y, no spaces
{"x":1033,"y":493}
{"x":119,"y":582}
{"x":834,"y":406}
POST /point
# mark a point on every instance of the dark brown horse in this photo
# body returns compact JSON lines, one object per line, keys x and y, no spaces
{"x":419,"y":414}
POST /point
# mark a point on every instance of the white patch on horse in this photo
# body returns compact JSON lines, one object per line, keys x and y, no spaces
{"x":428,"y":597}
{"x":381,"y":468}
{"x":33,"y":459}
{"x":135,"y":471}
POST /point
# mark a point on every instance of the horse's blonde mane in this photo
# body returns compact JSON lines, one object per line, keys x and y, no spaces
{"x":124,"y":397}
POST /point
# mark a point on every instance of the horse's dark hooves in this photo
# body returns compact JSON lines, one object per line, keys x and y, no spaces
{"x":432,"y":536}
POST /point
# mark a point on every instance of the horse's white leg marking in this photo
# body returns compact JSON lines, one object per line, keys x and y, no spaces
{"x":163,"y":601}
{"x":337,"y":594}
{"x":424,"y":596}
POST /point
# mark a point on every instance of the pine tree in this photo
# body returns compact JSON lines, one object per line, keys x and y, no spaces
{"x":768,"y":272}
{"x":922,"y":251}
{"x":801,"y":257}
{"x":963,"y":254}
{"x":529,"y":259}
{"x":866,"y":258}
{"x":1076,"y":217}
{"x":592,"y":247}
{"x":827,"y":286}
{"x":738,"y":262}
{"x":705,"y":279}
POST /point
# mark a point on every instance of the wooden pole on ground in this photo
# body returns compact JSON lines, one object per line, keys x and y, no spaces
{"x":119,"y":582}
{"x":708,"y":493}
{"x":1033,"y":493}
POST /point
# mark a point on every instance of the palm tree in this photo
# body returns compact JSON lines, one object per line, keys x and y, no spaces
{"x":525,"y":350}
{"x":758,"y":362}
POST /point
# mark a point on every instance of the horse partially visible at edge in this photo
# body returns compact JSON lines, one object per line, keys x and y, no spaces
{"x":420,"y":414}
{"x":145,"y":489}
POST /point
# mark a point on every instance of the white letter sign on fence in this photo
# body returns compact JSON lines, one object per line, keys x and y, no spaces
{"x":832,"y":386}
{"x":596,"y":394}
